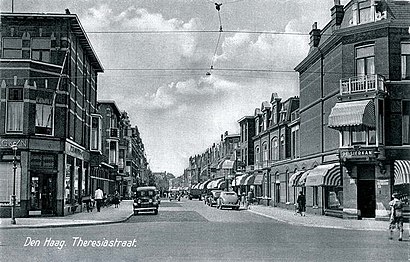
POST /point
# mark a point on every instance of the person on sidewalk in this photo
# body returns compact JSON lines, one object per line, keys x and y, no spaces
{"x":301,"y":201}
{"x":98,"y":196}
{"x":250,"y":199}
{"x":396,"y":216}
{"x":116,"y":199}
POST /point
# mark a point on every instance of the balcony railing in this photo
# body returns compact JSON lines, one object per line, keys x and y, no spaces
{"x":362,"y":84}
{"x":114,"y":133}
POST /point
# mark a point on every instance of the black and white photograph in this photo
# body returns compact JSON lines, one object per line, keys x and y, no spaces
{"x":204,"y":130}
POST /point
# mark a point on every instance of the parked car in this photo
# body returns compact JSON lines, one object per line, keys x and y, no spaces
{"x":195,"y":193}
{"x":228,"y":199}
{"x":145,"y":200}
{"x":174,"y":194}
{"x":212,"y":198}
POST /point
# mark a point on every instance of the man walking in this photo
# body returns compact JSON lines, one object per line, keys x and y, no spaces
{"x":98,"y":196}
{"x":301,"y":203}
{"x":396,"y":216}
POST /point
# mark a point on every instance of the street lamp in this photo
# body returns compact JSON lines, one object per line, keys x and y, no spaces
{"x":13,"y":197}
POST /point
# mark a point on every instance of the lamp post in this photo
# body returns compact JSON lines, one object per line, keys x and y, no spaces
{"x":13,"y":197}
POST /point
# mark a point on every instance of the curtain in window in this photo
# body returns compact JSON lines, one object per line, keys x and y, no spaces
{"x":44,"y":115}
{"x":14,"y":116}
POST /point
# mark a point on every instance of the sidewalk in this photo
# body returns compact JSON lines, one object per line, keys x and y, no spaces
{"x":106,"y":216}
{"x":311,"y":220}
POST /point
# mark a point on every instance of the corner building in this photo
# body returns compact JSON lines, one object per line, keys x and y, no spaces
{"x":47,"y":96}
{"x":355,"y":109}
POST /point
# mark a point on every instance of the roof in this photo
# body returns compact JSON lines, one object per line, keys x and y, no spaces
{"x":143,"y":188}
{"x":76,"y":28}
{"x":112,"y":103}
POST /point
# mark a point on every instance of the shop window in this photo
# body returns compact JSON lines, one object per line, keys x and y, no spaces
{"x":406,"y":123}
{"x":334,"y":197}
{"x":15,"y":110}
{"x":405,"y":60}
{"x":69,"y":173}
{"x":6,"y":182}
{"x":44,"y":119}
{"x":365,"y":60}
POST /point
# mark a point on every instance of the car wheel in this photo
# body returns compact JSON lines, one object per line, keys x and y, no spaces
{"x":156,"y":212}
{"x":135,"y":213}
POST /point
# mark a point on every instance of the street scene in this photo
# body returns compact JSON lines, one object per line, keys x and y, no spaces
{"x":189,"y":230}
{"x":231,"y":130}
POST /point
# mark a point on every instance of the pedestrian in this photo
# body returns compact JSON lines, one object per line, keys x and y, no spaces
{"x":301,"y":201}
{"x":250,"y":198}
{"x":116,"y":199}
{"x":396,"y":216}
{"x":98,"y":196}
{"x":243,"y":197}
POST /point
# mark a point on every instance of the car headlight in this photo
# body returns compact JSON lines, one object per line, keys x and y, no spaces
{"x":150,"y":200}
{"x":139,"y":201}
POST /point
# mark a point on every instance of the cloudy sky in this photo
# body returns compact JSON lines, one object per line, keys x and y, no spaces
{"x":156,"y":54}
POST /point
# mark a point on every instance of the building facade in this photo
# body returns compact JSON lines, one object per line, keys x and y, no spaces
{"x":47,"y":97}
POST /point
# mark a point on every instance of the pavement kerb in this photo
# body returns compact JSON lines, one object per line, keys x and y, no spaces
{"x":69,"y":224}
{"x":310,"y":225}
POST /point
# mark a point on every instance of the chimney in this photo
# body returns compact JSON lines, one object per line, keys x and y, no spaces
{"x":337,"y":13}
{"x":314,"y":36}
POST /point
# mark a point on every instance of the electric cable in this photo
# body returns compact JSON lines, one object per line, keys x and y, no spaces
{"x":218,"y":8}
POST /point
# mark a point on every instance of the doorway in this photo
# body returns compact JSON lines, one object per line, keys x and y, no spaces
{"x":43,"y":193}
{"x":366,"y":191}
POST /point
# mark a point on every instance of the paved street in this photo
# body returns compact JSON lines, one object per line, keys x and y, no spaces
{"x":192,"y":231}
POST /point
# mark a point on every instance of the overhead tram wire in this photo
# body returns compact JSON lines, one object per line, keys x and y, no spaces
{"x":218,"y":8}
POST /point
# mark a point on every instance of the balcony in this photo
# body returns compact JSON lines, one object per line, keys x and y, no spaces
{"x":114,"y":133}
{"x":361,"y":84}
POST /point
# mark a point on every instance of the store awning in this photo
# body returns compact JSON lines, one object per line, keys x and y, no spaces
{"x":302,"y":179}
{"x":249,"y":180}
{"x":204,"y":184}
{"x":324,"y":175}
{"x":258,"y":179}
{"x":294,"y":179}
{"x":220,"y":184}
{"x":196,"y":186}
{"x":214,"y":183}
{"x":228,"y":164}
{"x":401,"y":172}
{"x":356,"y":113}
{"x":239,"y":178}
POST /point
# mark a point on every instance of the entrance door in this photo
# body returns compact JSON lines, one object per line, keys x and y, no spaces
{"x":366,"y":191}
{"x":43,"y":188}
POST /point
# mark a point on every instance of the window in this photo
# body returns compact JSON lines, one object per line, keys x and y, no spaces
{"x":405,"y":60}
{"x":257,"y":126}
{"x":345,"y":138}
{"x":283,"y":146}
{"x":6,"y":182}
{"x":257,"y":155}
{"x":365,"y":15}
{"x":12,"y":47}
{"x":315,"y":196}
{"x":265,"y":155}
{"x":40,"y":49}
{"x":44,"y":119}
{"x":358,"y":137}
{"x":113,"y":152}
{"x":96,"y":133}
{"x":274,"y":116}
{"x":275,"y":149}
{"x":15,"y":110}
{"x":365,"y":60}
{"x":406,"y":123}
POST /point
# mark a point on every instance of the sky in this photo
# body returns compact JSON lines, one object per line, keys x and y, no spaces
{"x":156,"y":55}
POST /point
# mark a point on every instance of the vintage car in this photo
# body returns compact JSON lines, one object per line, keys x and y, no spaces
{"x":228,"y":199}
{"x":145,"y":199}
{"x":195,"y":193}
{"x":212,"y":197}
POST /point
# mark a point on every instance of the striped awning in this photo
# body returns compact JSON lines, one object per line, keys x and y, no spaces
{"x":228,"y":164}
{"x":324,"y":175}
{"x":401,"y":172}
{"x":238,"y":179}
{"x":249,"y":180}
{"x":258,"y":179}
{"x":220,"y":184}
{"x":356,"y":113}
{"x":195,"y":186}
{"x":214,"y":183}
{"x":204,"y":184}
{"x":294,"y":179}
{"x":302,"y":179}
